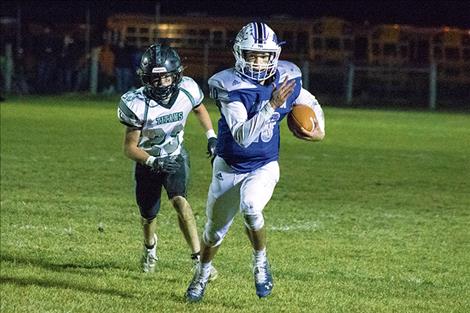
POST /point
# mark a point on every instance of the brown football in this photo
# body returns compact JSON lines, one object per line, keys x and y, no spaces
{"x":300,"y":116}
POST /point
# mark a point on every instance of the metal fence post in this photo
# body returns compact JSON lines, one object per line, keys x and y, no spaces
{"x":94,"y":70}
{"x":432,"y":85}
{"x":8,"y":67}
{"x":306,"y":74}
{"x":350,"y":84}
{"x":206,"y":66}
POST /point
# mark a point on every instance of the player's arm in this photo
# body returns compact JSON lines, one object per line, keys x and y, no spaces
{"x":206,"y":123}
{"x":205,"y":120}
{"x":131,"y":149}
{"x":245,"y":130}
{"x":318,"y":132}
{"x":133,"y":152}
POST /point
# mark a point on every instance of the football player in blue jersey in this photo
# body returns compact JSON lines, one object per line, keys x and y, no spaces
{"x":253,"y":98}
{"x":155,"y":116}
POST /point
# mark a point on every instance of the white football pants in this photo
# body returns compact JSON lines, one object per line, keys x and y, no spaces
{"x":230,"y":192}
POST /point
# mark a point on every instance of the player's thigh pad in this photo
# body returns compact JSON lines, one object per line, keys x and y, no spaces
{"x":255,"y":192}
{"x":222,"y":202}
{"x":176,"y":184}
{"x":148,"y":187}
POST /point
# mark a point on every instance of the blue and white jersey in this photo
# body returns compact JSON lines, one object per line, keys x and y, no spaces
{"x":248,"y":130}
{"x":162,"y":129}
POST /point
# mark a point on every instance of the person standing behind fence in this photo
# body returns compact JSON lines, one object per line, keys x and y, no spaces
{"x":137,"y":53}
{"x":67,"y":64}
{"x":47,"y":55}
{"x":123,"y":67}
{"x":106,"y":64}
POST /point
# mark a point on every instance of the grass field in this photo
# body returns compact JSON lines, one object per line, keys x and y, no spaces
{"x":374,"y":219}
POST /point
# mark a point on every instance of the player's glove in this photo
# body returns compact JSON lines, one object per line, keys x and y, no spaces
{"x":165,"y":165}
{"x":211,"y":144}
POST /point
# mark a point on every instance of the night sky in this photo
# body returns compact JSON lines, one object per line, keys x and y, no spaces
{"x":418,"y":13}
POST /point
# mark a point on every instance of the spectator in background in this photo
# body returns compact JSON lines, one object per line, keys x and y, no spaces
{"x":123,"y":67}
{"x":82,"y":70}
{"x":136,"y":57}
{"x":106,"y":66}
{"x":67,"y":63}
{"x":47,"y":56}
{"x":21,"y":72}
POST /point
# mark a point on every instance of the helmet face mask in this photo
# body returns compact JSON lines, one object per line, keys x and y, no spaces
{"x":260,"y":38}
{"x":157,"y":65}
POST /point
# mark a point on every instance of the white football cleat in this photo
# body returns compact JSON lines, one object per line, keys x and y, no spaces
{"x":149,"y":257}
{"x":213,"y":275}
{"x":197,"y":286}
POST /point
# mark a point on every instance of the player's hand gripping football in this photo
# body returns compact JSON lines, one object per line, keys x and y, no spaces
{"x":280,"y":95}
{"x":315,"y":134}
{"x":166,"y":165}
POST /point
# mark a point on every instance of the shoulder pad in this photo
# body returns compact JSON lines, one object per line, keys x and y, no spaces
{"x":225,"y":82}
{"x":128,"y":108}
{"x":192,"y":90}
{"x":290,"y":69}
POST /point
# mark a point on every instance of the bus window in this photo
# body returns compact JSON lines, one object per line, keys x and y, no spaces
{"x":390,"y":50}
{"x":288,"y":37}
{"x":217,"y":38}
{"x":318,"y":28}
{"x":403,"y":52}
{"x":437,"y":53}
{"x":375,"y":49}
{"x":466,"y":55}
{"x":317,"y":44}
{"x":332,"y":43}
{"x":452,"y":54}
{"x":466,"y":40}
{"x":302,"y":41}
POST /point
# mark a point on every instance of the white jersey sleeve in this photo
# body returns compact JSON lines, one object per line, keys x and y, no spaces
{"x":224,"y":86}
{"x":192,"y":90}
{"x":245,"y":131}
{"x":127,"y":111}
{"x":289,"y":70}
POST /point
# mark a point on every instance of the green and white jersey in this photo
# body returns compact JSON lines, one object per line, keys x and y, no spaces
{"x":162,"y":129}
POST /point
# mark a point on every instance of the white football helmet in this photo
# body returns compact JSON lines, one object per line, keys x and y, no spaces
{"x":258,"y":37}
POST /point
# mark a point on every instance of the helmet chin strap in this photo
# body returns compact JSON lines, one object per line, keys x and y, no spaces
{"x":166,"y":102}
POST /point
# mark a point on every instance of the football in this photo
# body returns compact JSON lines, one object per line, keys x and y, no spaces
{"x":300,"y":116}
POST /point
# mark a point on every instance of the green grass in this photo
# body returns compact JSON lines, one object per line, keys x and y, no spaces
{"x":374,"y":219}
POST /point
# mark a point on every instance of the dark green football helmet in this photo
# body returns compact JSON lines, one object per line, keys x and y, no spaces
{"x":157,"y":61}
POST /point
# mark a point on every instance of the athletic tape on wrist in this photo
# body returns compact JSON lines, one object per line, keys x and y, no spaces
{"x":150,"y":161}
{"x":210,"y":133}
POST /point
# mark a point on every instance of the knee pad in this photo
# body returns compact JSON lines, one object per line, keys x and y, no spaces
{"x":254,"y":221}
{"x":213,"y":237}
{"x":211,"y":240}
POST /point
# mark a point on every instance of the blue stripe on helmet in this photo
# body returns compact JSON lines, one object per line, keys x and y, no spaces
{"x":259,"y":29}
{"x":255,"y":31}
{"x":263,"y":31}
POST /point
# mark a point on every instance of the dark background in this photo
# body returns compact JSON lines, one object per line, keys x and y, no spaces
{"x":418,"y":13}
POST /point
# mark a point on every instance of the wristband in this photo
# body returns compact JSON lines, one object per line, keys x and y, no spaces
{"x":150,"y":160}
{"x":210,"y":133}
